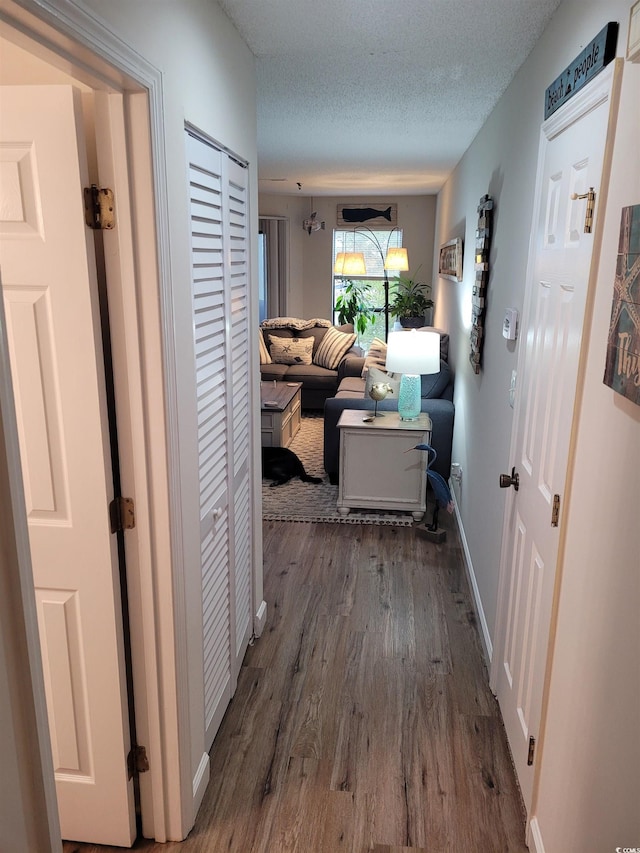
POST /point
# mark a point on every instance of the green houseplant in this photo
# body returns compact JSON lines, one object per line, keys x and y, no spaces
{"x":354,"y":305}
{"x":410,"y":301}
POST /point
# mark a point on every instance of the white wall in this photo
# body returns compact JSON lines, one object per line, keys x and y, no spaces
{"x":311,"y":274}
{"x":588,"y":795}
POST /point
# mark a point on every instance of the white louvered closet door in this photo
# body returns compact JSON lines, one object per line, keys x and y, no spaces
{"x":238,"y":279}
{"x":220,"y":281}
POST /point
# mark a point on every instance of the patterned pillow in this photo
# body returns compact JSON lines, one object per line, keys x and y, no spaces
{"x":376,"y":356}
{"x":332,"y":348}
{"x":265,"y":358}
{"x":290,"y":350}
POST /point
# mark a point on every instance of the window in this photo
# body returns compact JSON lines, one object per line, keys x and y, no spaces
{"x":373,"y":245}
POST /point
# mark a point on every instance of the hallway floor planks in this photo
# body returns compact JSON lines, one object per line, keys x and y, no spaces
{"x":363,"y":721}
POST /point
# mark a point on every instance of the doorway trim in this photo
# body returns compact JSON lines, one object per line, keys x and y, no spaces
{"x":67,"y":34}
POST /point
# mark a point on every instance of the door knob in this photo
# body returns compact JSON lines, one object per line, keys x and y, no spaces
{"x":507,"y":480}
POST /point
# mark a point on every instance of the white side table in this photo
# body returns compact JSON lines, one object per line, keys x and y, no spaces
{"x":376,"y":472}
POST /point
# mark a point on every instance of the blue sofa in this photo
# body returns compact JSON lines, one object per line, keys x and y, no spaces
{"x":437,"y":402}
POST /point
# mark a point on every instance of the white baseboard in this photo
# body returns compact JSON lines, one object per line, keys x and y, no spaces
{"x":260,"y":619}
{"x":534,"y":837}
{"x":471,"y":576}
{"x":200,"y":782}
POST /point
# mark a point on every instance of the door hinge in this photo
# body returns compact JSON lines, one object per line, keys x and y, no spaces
{"x":122,"y":514}
{"x":555,"y":511}
{"x":99,"y":208}
{"x":137,"y":761}
{"x":532,"y":749}
{"x":591,"y":203}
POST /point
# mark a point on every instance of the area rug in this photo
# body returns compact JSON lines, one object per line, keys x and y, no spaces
{"x":298,"y":501}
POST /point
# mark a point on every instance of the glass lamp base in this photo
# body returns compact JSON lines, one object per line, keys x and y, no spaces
{"x":409,"y":397}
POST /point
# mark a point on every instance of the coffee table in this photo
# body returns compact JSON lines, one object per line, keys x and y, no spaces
{"x":280,"y":412}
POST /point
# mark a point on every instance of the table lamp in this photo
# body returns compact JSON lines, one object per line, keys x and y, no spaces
{"x":412,"y":353}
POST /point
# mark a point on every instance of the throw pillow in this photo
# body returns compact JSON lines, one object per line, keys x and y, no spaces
{"x":265,"y":358}
{"x":433,"y":384}
{"x":376,"y":356}
{"x":378,"y":349}
{"x":332,"y":348}
{"x":374,"y":374}
{"x":290,"y":350}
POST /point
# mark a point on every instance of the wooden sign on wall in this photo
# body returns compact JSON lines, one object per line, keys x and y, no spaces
{"x":596,"y":55}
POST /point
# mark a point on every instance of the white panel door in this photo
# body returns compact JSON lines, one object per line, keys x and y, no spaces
{"x":51,"y":303}
{"x":571,"y":161}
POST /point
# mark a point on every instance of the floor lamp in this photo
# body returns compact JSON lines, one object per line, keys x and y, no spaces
{"x":395,"y":259}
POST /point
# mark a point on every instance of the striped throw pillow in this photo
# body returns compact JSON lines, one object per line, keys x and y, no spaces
{"x":332,"y":348}
{"x":265,"y":358}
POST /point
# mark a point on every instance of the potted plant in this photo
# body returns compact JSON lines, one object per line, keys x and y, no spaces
{"x":354,"y":306}
{"x":410,"y":302}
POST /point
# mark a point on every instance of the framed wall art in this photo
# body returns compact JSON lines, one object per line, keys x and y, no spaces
{"x":622,"y":366}
{"x":633,"y":42}
{"x":450,"y":260}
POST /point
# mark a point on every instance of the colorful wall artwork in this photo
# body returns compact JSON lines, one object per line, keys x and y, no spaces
{"x":622,"y":368}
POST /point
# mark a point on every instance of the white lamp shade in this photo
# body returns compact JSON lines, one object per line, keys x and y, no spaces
{"x":353,"y":264}
{"x":413,"y":352}
{"x":339,"y":264}
{"x":397,"y":259}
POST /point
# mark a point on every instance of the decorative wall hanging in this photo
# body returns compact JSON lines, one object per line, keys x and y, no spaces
{"x":372,"y":214}
{"x":596,"y":55}
{"x":450,"y":260}
{"x":483,"y":245}
{"x":622,"y":367}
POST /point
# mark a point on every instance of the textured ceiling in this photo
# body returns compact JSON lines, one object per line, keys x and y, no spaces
{"x":366,"y":97}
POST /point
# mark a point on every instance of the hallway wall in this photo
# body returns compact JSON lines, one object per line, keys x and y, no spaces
{"x":591,"y":745}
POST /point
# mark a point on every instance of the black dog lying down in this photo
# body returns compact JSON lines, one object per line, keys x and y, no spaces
{"x":281,"y":464}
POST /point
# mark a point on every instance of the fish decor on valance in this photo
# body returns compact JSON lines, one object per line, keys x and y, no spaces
{"x":367,"y":214}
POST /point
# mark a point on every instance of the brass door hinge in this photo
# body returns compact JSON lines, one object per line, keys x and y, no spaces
{"x":532,"y":749}
{"x":137,"y":761}
{"x":555,"y":511}
{"x":591,"y":203}
{"x":122,"y":514}
{"x":99,"y":208}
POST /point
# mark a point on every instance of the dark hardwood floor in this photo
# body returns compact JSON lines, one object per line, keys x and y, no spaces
{"x":363,"y":720}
